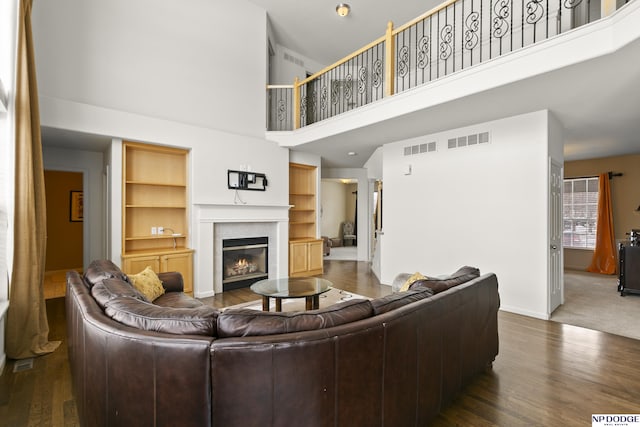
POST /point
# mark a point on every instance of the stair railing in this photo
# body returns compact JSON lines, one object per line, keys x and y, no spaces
{"x":447,"y":39}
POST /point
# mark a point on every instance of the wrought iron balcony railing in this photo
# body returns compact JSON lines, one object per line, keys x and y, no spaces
{"x":451,"y":37}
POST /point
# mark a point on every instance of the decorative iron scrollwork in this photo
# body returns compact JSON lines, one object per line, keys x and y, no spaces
{"x":535,"y":11}
{"x":502,"y":10}
{"x":312,"y":105}
{"x":571,"y":4}
{"x":282,"y":110}
{"x":376,"y":78}
{"x":323,"y":98}
{"x":403,"y":61}
{"x":335,"y":92}
{"x":446,"y":37}
{"x":362,"y":80}
{"x":303,"y":109}
{"x":348,"y":87}
{"x":472,"y":23}
{"x":423,"y":52}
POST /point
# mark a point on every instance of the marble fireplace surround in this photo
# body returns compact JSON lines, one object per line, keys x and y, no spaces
{"x":215,"y":222}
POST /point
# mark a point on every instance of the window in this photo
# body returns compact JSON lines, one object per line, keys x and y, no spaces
{"x":580,"y":212}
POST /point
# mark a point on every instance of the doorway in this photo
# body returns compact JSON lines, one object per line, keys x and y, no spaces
{"x":339,"y":224}
{"x":555,"y":291}
{"x":65,"y":217}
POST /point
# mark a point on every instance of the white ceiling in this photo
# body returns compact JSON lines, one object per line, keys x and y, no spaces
{"x":314,"y":29}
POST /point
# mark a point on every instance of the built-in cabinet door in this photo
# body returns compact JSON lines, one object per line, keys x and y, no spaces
{"x":315,"y":256}
{"x":135,"y":265}
{"x":183,"y":263}
{"x":298,"y":258}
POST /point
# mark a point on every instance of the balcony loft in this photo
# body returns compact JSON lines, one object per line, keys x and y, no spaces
{"x":469,"y":62}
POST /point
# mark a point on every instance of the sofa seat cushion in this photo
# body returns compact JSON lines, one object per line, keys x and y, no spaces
{"x":246,"y":322}
{"x":102,"y":269}
{"x":150,"y":317}
{"x":177,"y":300}
{"x":462,"y":275}
{"x":399,"y":299}
{"x":108,"y":289}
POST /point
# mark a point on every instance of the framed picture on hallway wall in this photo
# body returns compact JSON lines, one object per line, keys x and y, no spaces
{"x":76,"y":206}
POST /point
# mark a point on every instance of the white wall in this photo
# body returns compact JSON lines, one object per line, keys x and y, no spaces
{"x":8,"y":37}
{"x":295,"y":65}
{"x":374,"y":164}
{"x":481,"y":205}
{"x":91,"y":165}
{"x":183,"y":61}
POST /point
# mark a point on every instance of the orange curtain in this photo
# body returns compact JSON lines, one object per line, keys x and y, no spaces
{"x":604,"y":256}
{"x":27,"y":326}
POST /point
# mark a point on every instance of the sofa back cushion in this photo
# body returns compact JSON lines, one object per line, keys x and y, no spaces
{"x":108,"y":289}
{"x":398,"y":299}
{"x":102,"y":269}
{"x":462,"y":275}
{"x":149,"y":317}
{"x":246,"y":322}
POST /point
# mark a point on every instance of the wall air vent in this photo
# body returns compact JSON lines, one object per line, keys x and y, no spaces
{"x":293,"y":59}
{"x":427,"y":147}
{"x":468,"y":140}
{"x":23,"y":365}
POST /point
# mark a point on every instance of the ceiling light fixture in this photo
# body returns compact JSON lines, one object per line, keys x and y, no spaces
{"x":343,"y":9}
{"x":352,"y":153}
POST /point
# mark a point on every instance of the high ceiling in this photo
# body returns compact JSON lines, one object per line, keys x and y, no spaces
{"x":313,"y":28}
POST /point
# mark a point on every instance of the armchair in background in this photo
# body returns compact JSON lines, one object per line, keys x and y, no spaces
{"x":348,"y":233}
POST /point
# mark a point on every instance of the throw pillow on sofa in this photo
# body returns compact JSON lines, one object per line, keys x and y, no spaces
{"x":148,"y":283}
{"x":462,"y":275}
{"x":407,"y":284}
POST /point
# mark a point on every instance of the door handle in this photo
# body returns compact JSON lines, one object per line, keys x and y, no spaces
{"x":554,"y":247}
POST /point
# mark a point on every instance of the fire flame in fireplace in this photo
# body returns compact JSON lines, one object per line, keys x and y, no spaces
{"x":240,"y":267}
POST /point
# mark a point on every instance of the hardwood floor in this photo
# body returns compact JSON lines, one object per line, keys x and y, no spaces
{"x":546,"y":374}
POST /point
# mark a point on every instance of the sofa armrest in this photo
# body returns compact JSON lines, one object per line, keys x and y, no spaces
{"x":172,"y":281}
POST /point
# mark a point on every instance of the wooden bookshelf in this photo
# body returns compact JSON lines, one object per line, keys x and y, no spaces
{"x":305,"y":249}
{"x":154,"y":195}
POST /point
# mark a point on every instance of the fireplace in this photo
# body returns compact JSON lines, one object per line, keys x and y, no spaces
{"x":244,"y":262}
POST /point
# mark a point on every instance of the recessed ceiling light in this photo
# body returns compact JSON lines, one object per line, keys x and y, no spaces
{"x":343,"y":9}
{"x":352,"y":153}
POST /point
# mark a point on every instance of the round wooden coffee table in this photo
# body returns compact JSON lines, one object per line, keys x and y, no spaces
{"x":309,"y":288}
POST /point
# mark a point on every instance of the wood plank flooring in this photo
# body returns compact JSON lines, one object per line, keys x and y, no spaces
{"x":546,"y":374}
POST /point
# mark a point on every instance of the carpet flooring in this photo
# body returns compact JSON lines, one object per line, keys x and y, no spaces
{"x":330,"y":297}
{"x":592,"y":301}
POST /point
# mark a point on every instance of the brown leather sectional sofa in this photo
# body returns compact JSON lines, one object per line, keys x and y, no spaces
{"x":393,"y":361}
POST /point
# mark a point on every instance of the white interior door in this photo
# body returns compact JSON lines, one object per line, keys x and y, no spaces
{"x":555,"y":278}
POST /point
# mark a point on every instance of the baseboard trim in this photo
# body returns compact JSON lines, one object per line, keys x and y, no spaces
{"x":528,"y":313}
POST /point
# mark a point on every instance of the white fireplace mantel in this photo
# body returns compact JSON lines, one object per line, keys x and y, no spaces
{"x":211,"y":221}
{"x":229,"y":212}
